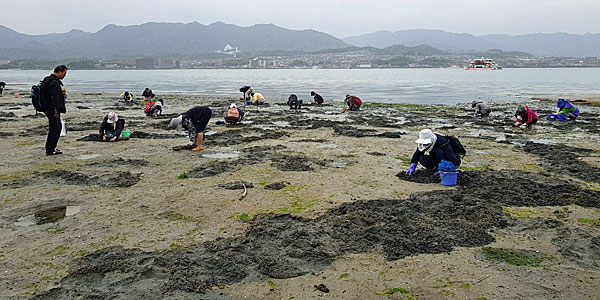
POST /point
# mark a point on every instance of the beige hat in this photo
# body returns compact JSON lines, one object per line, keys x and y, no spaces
{"x":177,"y":123}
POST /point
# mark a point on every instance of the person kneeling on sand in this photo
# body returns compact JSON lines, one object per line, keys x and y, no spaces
{"x":317,"y":98}
{"x":233,"y":115}
{"x":112,"y":127}
{"x":481,"y":109}
{"x":525,"y":116}
{"x":194,"y":120}
{"x":127,"y":97}
{"x":353,"y":102}
{"x":154,"y":107}
{"x":566,"y":108}
{"x":432,"y":148}
{"x":293,"y":102}
{"x":257,"y":99}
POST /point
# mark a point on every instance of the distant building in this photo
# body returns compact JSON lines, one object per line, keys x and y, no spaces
{"x":144,"y":63}
{"x":166,"y":63}
{"x":590,"y":60}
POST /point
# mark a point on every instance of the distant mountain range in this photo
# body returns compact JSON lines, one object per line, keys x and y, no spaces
{"x":177,"y":40}
{"x":161,"y":39}
{"x":540,"y":44}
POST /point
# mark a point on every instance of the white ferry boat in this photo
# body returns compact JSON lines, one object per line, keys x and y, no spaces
{"x":483,"y":64}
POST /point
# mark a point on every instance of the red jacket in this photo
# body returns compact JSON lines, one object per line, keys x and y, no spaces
{"x":530,"y":116}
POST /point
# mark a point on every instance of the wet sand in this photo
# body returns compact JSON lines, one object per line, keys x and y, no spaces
{"x":298,"y":204}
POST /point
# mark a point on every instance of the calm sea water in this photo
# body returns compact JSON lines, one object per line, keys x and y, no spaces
{"x":443,"y":86}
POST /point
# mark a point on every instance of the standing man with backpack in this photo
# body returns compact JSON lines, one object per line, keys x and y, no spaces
{"x":53,"y":98}
{"x":432,"y":148}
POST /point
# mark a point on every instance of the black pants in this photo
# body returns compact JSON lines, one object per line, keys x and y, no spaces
{"x":54,"y":128}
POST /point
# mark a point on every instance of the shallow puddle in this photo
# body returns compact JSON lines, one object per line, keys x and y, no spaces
{"x":87,"y":156}
{"x":338,"y":164}
{"x":281,"y":123}
{"x":327,"y":146}
{"x":224,"y":153}
{"x":50,"y":215}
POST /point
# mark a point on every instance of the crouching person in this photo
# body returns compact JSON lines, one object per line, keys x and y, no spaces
{"x":525,"y":116}
{"x":194,"y":121}
{"x":154,"y":108}
{"x":293,"y":102}
{"x":233,"y":115}
{"x":481,"y":109}
{"x":112,"y":127}
{"x":432,"y":148}
{"x":566,"y":108}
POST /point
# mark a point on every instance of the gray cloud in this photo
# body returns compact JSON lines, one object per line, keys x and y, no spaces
{"x":337,"y":17}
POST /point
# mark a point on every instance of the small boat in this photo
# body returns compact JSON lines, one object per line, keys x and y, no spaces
{"x":483,"y":64}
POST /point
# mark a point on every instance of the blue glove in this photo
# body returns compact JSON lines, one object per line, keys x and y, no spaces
{"x":411,"y":170}
{"x":437,"y":174}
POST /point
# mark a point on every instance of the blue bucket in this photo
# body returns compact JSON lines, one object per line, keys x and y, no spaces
{"x":552,"y":117}
{"x":561,"y":117}
{"x":448,"y":178}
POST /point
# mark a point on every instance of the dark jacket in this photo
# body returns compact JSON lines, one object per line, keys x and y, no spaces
{"x":441,"y":143}
{"x":52,"y":92}
{"x":147,"y":93}
{"x":112,"y":127}
{"x":318,"y":98}
{"x":197,"y":113}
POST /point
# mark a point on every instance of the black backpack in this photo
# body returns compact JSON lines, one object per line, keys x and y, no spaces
{"x":456,"y":146}
{"x":39,"y":103}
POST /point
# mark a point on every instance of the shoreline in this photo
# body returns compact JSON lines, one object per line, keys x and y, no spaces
{"x":326,"y":204}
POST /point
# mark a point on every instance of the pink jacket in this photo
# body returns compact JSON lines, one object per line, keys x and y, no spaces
{"x":530,"y":116}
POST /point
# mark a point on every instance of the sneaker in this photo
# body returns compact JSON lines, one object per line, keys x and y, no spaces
{"x":53,"y":152}
{"x":198,"y":149}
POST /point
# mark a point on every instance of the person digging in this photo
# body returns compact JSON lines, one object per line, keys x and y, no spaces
{"x":194,"y":120}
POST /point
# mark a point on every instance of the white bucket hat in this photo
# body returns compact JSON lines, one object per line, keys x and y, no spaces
{"x":425,"y":137}
{"x":112,"y":117}
{"x":177,"y":123}
{"x":232,"y":105}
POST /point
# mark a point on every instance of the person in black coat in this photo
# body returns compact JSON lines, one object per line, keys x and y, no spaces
{"x":431,"y":150}
{"x":54,"y":95}
{"x":2,"y":86}
{"x":195,"y":121}
{"x":317,"y":98}
{"x":112,"y":127}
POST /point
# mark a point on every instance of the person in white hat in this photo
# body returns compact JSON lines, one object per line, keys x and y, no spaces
{"x":112,"y":127}
{"x":432,"y":148}
{"x":233,"y":115}
{"x":195,"y":121}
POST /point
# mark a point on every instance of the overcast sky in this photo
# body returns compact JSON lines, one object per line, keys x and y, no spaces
{"x":340,"y":18}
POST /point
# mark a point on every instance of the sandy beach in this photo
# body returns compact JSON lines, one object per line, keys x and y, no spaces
{"x":327,"y":214}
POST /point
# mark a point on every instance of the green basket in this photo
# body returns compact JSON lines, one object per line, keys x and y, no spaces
{"x":125,"y":133}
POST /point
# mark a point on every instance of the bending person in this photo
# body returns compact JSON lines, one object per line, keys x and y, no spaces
{"x":432,"y":148}
{"x":525,"y":116}
{"x":566,"y":108}
{"x":112,"y":127}
{"x":194,"y":121}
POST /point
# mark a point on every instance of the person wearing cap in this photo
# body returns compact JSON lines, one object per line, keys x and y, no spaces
{"x":257,"y":98}
{"x":233,"y":115}
{"x":353,"y":102}
{"x":566,"y":108}
{"x":432,"y":148}
{"x":112,"y":127}
{"x":525,"y":116}
{"x":194,"y":121}
{"x":317,"y":98}
{"x":481,"y":109}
